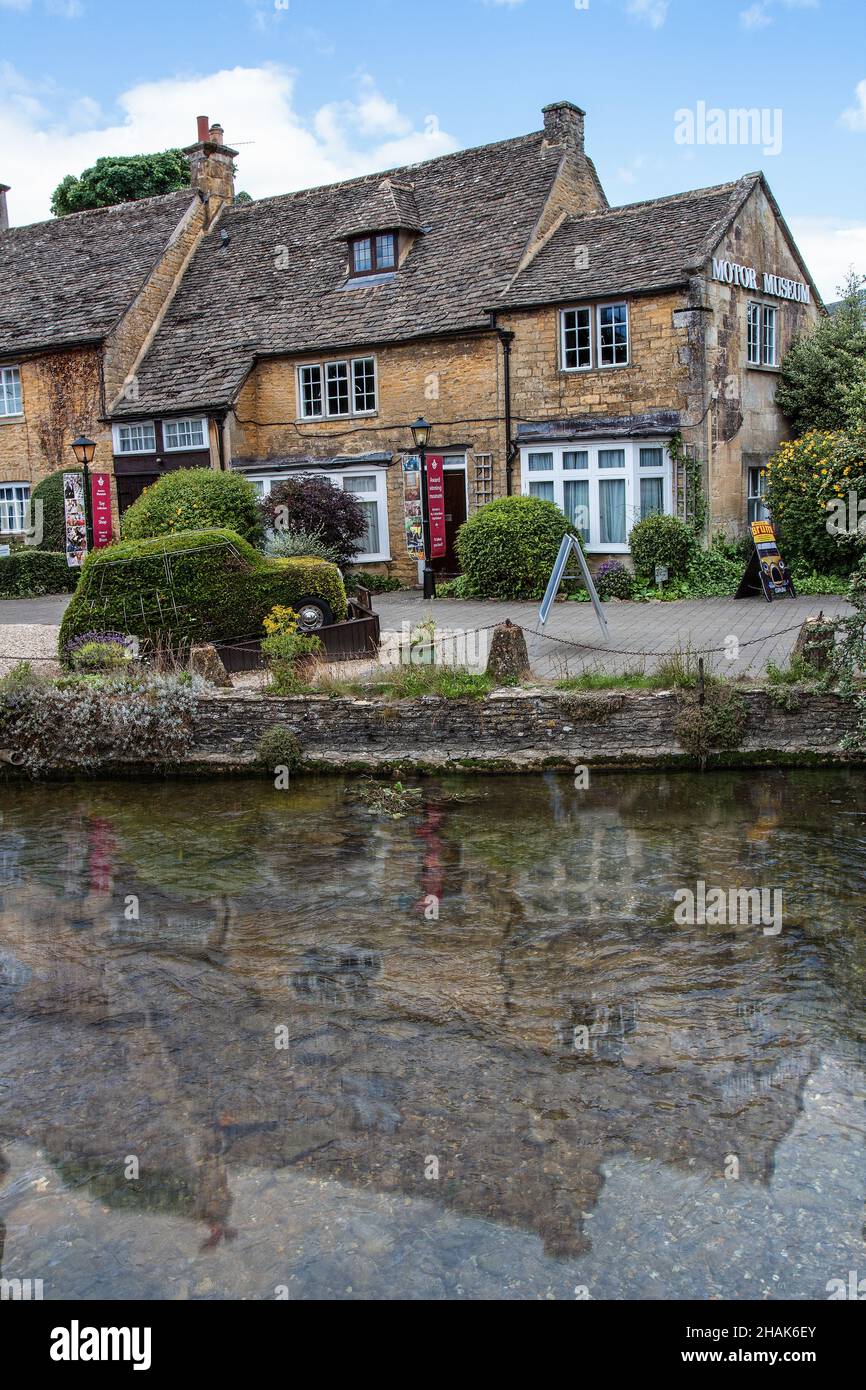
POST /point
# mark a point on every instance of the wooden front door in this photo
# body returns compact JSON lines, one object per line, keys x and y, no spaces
{"x":130,"y":486}
{"x":455,"y":515}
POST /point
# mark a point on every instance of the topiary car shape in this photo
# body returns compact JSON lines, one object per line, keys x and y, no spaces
{"x":198,"y":586}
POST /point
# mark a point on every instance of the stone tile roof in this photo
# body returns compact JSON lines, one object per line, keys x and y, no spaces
{"x":630,"y":249}
{"x":478,"y":209}
{"x":387,"y":206}
{"x":70,"y":280}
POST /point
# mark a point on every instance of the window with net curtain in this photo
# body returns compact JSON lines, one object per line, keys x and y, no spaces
{"x":364,"y":489}
{"x":611,"y":498}
{"x":652,"y":486}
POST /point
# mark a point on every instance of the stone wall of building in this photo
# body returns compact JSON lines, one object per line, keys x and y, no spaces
{"x":61,"y":398}
{"x":656,"y":378}
{"x":456,"y":383}
{"x":744,"y":426}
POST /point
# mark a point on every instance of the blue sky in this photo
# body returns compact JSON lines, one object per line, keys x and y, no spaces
{"x":324,"y":89}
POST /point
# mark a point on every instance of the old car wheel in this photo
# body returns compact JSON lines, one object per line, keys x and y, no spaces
{"x":313,"y":613}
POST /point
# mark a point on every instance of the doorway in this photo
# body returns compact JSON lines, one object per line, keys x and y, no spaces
{"x":456,"y":512}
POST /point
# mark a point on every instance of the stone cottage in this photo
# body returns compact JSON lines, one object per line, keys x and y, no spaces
{"x":597,"y":356}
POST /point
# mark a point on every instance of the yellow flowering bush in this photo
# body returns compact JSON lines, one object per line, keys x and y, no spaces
{"x":281,"y":621}
{"x":808,"y":486}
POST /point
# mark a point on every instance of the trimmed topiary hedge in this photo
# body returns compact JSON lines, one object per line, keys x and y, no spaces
{"x":219,"y":588}
{"x":50,"y":493}
{"x":507,"y":550}
{"x":662,"y":540}
{"x":194,"y":499}
{"x":28,"y":573}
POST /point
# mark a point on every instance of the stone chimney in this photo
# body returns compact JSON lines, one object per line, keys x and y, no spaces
{"x":563,"y":125}
{"x":4,"y":211}
{"x":212,"y":163}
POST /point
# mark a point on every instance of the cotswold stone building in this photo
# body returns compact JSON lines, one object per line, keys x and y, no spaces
{"x":593,"y":355}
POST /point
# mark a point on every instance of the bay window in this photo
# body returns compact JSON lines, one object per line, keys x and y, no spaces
{"x":603,"y":488}
{"x":10,"y":391}
{"x":369,"y":488}
{"x":337,"y":389}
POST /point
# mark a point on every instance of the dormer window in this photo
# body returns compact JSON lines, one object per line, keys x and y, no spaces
{"x":372,"y":255}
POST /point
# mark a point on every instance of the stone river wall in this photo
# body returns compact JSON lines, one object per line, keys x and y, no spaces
{"x":512,"y":729}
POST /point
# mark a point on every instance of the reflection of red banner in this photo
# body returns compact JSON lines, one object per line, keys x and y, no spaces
{"x":102,"y":845}
{"x":436,"y":505}
{"x":100,"y":509}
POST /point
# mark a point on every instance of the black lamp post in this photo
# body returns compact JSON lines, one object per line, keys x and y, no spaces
{"x":421,"y":438}
{"x":84,"y":449}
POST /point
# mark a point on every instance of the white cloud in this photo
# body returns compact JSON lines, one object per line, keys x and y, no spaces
{"x":855,"y":116}
{"x":654,"y":12}
{"x":45,"y":134}
{"x":759,"y":15}
{"x":830,"y":248}
{"x":64,"y":9}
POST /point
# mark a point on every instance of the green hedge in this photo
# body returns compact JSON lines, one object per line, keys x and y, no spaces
{"x":508,"y":548}
{"x":50,"y":493}
{"x":220,"y":588}
{"x":662,"y":540}
{"x":28,"y":573}
{"x":194,"y":499}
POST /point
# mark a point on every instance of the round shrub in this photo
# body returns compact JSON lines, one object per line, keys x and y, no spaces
{"x":662,"y":540}
{"x":194,"y":499}
{"x":315,"y":507}
{"x":279,"y":747}
{"x":613,"y":580}
{"x":507,"y":550}
{"x":50,"y":493}
{"x":808,"y":482}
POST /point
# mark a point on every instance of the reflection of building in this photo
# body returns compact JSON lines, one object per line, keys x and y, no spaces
{"x":408,"y":1038}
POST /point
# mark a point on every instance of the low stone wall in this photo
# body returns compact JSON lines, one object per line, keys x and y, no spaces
{"x":512,"y":729}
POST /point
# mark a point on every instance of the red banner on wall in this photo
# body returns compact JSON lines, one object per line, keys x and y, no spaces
{"x":436,"y":505}
{"x":100,"y":509}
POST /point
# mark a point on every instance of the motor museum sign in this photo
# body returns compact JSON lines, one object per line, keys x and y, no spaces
{"x":730,"y":273}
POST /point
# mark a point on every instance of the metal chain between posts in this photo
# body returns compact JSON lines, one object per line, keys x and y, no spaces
{"x":530,"y":632}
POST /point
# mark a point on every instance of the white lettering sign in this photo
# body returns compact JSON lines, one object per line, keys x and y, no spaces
{"x":730,"y":273}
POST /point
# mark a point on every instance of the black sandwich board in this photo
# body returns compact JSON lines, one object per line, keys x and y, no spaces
{"x":766,"y":572}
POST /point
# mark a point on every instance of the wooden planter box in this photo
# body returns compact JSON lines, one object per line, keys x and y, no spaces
{"x":352,"y":640}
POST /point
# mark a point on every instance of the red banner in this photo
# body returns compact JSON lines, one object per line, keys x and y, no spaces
{"x":436,"y":505}
{"x":100,"y":509}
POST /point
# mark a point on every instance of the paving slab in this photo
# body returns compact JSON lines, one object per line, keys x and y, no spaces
{"x":641,"y":635}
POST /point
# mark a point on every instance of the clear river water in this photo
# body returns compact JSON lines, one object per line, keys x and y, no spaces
{"x":273,"y":1044}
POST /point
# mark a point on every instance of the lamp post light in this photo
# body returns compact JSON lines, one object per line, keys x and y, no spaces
{"x":421,"y":438}
{"x":84,"y":449}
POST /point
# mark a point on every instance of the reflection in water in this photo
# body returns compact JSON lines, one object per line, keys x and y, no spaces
{"x":241,"y":1053}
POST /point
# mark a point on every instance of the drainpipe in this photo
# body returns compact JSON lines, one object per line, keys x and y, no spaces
{"x":220,"y":421}
{"x":506,"y":338}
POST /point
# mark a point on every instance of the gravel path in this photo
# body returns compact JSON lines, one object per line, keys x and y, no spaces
{"x":35,"y":642}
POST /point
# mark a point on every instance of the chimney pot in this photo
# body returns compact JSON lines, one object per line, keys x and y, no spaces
{"x":216,"y":133}
{"x":563,"y":125}
{"x":203,"y":124}
{"x":4,"y":211}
